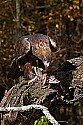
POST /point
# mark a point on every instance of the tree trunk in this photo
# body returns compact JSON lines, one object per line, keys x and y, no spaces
{"x":18,"y":17}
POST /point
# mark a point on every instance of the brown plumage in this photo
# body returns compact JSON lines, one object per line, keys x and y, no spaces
{"x":31,"y":48}
{"x":40,"y":45}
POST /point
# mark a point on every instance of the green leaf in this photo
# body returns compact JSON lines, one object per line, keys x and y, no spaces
{"x":41,"y":121}
{"x":36,"y":122}
{"x":76,"y":103}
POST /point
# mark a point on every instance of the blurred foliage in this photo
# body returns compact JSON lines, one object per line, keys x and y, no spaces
{"x":60,"y":19}
{"x":56,"y":18}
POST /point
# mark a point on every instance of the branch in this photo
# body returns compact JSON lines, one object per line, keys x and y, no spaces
{"x":23,"y":108}
{"x":4,"y":2}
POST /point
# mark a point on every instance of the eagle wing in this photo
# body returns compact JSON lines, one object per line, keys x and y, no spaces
{"x":22,"y":47}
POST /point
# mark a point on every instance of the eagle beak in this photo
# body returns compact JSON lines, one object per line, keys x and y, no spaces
{"x":46,"y":64}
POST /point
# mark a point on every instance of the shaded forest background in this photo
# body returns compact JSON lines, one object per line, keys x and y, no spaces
{"x":62,"y":20}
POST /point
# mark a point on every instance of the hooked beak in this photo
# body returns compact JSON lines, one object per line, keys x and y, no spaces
{"x":46,"y":64}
